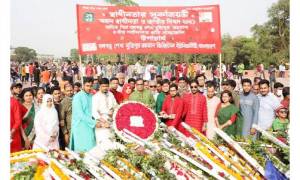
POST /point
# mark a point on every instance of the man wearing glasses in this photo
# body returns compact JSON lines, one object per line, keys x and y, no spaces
{"x":172,"y":108}
{"x":142,"y":95}
{"x":195,"y":109}
{"x":153,"y":89}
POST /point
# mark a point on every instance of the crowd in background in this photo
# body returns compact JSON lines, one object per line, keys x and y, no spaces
{"x":50,"y":105}
{"x":27,"y":72}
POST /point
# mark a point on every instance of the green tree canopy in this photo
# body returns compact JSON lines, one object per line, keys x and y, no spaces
{"x":122,"y":2}
{"x":74,"y":56}
{"x":25,"y":54}
{"x":273,"y":36}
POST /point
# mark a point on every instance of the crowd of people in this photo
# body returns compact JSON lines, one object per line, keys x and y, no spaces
{"x":51,"y":107}
{"x":45,"y":73}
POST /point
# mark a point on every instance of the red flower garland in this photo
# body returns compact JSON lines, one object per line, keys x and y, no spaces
{"x":124,"y":113}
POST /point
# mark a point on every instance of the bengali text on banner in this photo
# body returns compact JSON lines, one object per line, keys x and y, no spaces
{"x":134,"y":29}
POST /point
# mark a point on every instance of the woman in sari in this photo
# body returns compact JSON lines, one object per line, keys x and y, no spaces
{"x":227,"y":116}
{"x":27,"y":128}
{"x":46,"y":125}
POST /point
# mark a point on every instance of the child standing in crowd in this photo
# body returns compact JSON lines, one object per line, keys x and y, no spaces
{"x":281,"y":123}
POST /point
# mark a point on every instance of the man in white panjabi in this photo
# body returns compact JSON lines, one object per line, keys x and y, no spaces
{"x":212,"y":104}
{"x":99,"y":71}
{"x":46,"y":125}
{"x":138,"y":69}
{"x":103,"y":105}
{"x":147,"y":74}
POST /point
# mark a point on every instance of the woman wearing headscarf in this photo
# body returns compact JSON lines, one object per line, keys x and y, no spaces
{"x":127,"y":90}
{"x":46,"y":125}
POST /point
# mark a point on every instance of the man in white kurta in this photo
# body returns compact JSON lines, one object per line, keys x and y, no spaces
{"x":99,"y":70}
{"x":103,"y":105}
{"x":147,"y":74}
{"x":139,"y":69}
{"x":212,"y":104}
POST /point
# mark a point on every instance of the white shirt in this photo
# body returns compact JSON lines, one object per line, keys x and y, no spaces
{"x":282,"y":67}
{"x":203,"y":68}
{"x":130,"y":69}
{"x":26,"y":69}
{"x":120,"y":88}
{"x":99,"y":70}
{"x":102,"y":104}
{"x":109,"y":70}
{"x":147,"y":75}
{"x":155,"y":94}
{"x":138,"y":68}
{"x":266,"y":114}
{"x":212,"y":105}
{"x":83,"y":71}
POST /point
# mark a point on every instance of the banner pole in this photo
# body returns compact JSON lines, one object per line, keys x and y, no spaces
{"x":81,"y":73}
{"x":220,"y":64}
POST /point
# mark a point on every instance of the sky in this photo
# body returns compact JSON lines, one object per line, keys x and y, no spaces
{"x":49,"y":26}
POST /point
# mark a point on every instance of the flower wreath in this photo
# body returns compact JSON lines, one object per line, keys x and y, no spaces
{"x":137,"y":118}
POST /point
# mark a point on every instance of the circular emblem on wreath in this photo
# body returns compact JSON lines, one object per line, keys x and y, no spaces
{"x":136,"y":118}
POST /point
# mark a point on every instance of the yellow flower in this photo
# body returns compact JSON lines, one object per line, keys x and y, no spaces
{"x":58,"y":171}
{"x":115,"y":170}
{"x":39,"y":173}
{"x":238,"y":166}
{"x":26,"y":152}
{"x":128,"y":164}
{"x":205,"y":151}
{"x":24,"y":159}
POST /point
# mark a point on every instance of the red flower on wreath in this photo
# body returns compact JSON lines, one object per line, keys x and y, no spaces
{"x":136,"y":118}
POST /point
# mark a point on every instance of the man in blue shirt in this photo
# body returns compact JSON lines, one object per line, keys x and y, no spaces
{"x":249,"y":107}
{"x":268,"y":104}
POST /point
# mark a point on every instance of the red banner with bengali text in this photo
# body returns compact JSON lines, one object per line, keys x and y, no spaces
{"x":135,"y":29}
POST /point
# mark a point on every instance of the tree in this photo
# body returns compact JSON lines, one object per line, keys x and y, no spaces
{"x":74,"y":55}
{"x":228,"y":51}
{"x":13,"y":57}
{"x":273,"y":36}
{"x":247,"y":51}
{"x":25,"y":54}
{"x":241,"y":49}
{"x":65,"y":58}
{"x":122,"y":2}
{"x":279,"y":24}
